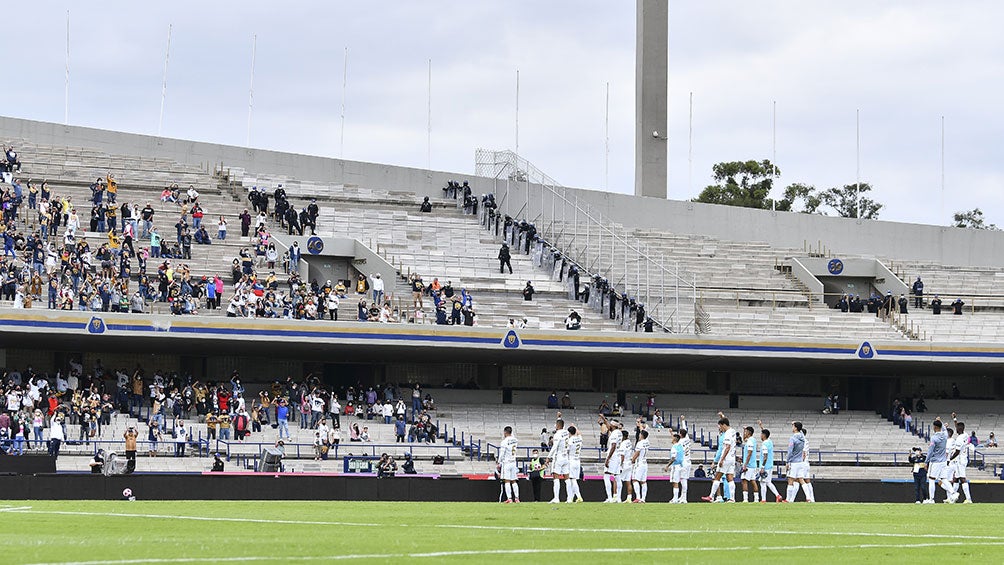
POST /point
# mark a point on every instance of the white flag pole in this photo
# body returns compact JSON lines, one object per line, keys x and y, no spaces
{"x":66,"y":109}
{"x":606,"y":141}
{"x":254,"y":49}
{"x":428,"y":157}
{"x":345,"y":80}
{"x":163,"y":90}
{"x":857,"y":152}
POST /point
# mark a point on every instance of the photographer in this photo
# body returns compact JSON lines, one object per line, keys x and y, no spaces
{"x":919,"y":461}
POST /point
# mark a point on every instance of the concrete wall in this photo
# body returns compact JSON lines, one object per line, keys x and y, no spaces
{"x":901,"y":241}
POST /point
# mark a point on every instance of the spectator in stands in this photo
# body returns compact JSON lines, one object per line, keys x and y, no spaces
{"x":991,"y":441}
{"x":955,"y":391}
{"x":426,"y":206}
{"x":408,"y":468}
{"x":918,"y":293}
{"x":566,"y":402}
{"x":699,"y":472}
{"x":957,"y":306}
{"x":573,"y":321}
{"x":552,"y":400}
{"x":528,"y":291}
{"x":903,"y":302}
{"x":545,"y":439}
{"x":936,"y":305}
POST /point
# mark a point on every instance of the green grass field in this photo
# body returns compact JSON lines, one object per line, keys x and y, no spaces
{"x":286,"y":531}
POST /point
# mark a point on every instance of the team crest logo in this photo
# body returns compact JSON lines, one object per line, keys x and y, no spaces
{"x":511,"y":340}
{"x":315,"y":245}
{"x":835,"y":266}
{"x":96,"y":326}
{"x":866,"y":351}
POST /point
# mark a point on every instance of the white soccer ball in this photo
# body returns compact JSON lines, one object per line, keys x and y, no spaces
{"x":126,"y":493}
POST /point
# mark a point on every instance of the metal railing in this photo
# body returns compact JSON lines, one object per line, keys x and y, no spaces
{"x":593,"y":242}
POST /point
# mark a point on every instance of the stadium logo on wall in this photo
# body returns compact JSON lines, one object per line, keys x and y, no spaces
{"x":866,"y":351}
{"x":96,"y":326}
{"x":315,"y":245}
{"x":835,"y":266}
{"x":511,"y":340}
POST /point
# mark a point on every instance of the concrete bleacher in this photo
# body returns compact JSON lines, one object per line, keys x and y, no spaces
{"x":800,"y":323}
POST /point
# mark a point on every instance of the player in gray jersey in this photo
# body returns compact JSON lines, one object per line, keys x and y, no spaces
{"x":937,"y":464}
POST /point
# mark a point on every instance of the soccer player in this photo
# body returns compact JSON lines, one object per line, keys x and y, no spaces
{"x":685,"y":472}
{"x":797,"y":469}
{"x":639,"y":475}
{"x":558,"y":458}
{"x":675,"y":467}
{"x":612,"y":465}
{"x":767,"y":459}
{"x":624,"y":451}
{"x":810,"y":493}
{"x":507,"y":465}
{"x":959,"y":459}
{"x":937,"y":458}
{"x":725,"y":464}
{"x":751,"y":465}
{"x":574,"y":465}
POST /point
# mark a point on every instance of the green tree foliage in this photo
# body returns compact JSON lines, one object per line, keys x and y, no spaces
{"x":973,"y":219}
{"x":802,"y":198}
{"x":845,"y":201}
{"x":741,"y":183}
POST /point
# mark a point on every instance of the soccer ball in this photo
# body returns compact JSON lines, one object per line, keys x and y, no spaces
{"x":126,"y":493}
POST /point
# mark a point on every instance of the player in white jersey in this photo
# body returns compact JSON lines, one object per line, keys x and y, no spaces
{"x":611,"y":465}
{"x":574,"y":464}
{"x":750,"y":465}
{"x":767,"y":464}
{"x":810,"y":493}
{"x":685,"y":472}
{"x":639,"y":476}
{"x":507,"y":465}
{"x":624,"y":453}
{"x":958,"y":459}
{"x":725,"y":466}
{"x":558,"y":459}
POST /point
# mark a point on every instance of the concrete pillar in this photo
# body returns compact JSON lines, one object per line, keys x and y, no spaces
{"x":651,"y":94}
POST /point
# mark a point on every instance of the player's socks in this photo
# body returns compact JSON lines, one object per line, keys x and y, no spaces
{"x":773,"y":489}
{"x":810,"y":494}
{"x":729,"y":490}
{"x":683,"y":490}
{"x":606,"y":486}
{"x":965,"y":489}
{"x":515,"y":491}
{"x":792,"y":492}
{"x":746,"y":496}
{"x":508,"y":491}
{"x":644,"y":491}
{"x":714,"y":488}
{"x":637,"y":489}
{"x":676,"y":494}
{"x":570,"y":490}
{"x":930,"y":490}
{"x":557,"y":490}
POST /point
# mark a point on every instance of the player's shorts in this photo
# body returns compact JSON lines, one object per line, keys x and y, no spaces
{"x":640,"y":473}
{"x":799,"y":471}
{"x":676,"y":473}
{"x":937,"y":470}
{"x":727,"y":467}
{"x":626,"y":473}
{"x":751,"y":474}
{"x":509,"y":471}
{"x":574,"y":468}
{"x":686,"y":472}
{"x":560,"y":467}
{"x":612,"y":469}
{"x":765,"y":475}
{"x":958,"y":471}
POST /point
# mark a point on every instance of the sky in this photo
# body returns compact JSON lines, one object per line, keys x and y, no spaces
{"x":903,"y":65}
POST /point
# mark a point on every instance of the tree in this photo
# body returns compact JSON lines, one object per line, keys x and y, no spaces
{"x":798,"y":192}
{"x":973,"y":219}
{"x":741,"y":183}
{"x":845,"y":201}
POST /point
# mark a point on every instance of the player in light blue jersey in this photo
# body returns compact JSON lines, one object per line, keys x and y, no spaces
{"x":675,"y":467}
{"x":937,"y":464}
{"x":767,"y":463}
{"x":750,"y":465}
{"x":798,"y":468}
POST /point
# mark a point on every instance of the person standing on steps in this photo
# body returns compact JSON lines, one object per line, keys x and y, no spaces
{"x":504,"y":258}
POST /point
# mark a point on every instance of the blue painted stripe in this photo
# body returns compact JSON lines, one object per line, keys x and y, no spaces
{"x":692,"y":346}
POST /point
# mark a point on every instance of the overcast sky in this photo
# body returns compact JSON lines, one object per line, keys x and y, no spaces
{"x":903,"y":64}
